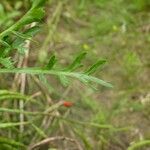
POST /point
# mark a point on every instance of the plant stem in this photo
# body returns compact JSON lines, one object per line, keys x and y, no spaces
{"x":139,"y":144}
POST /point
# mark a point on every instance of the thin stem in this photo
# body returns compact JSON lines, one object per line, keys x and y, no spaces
{"x":139,"y":144}
{"x":80,"y":76}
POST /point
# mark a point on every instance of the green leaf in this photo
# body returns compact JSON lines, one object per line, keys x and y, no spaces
{"x":32,"y":31}
{"x":32,"y":15}
{"x":84,"y":139}
{"x":80,"y":76}
{"x":77,"y":62}
{"x":11,"y":124}
{"x":12,"y":96}
{"x":43,"y":79}
{"x":4,"y":43}
{"x":6,"y":62}
{"x":11,"y":142}
{"x":19,"y":43}
{"x":51,"y":62}
{"x":22,"y":49}
{"x":36,"y":13}
{"x":5,"y":51}
{"x":64,"y":80}
{"x":37,"y":3}
{"x":21,"y":35}
{"x":95,"y":67}
{"x":8,"y":95}
{"x":2,"y":12}
{"x":87,"y":78}
{"x":39,"y":131}
{"x":7,"y":147}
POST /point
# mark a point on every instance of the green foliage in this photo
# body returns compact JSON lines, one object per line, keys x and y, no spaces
{"x":8,"y":95}
{"x":51,"y":62}
{"x":12,"y":124}
{"x":37,"y":3}
{"x":36,"y":13}
{"x":141,"y":4}
{"x":6,"y":19}
{"x":116,"y":30}
{"x":77,"y":62}
{"x":39,"y":131}
{"x":20,"y":41}
{"x":84,"y":138}
{"x":80,"y":76}
{"x":15,"y":38}
{"x":95,"y":66}
{"x":6,"y":62}
{"x":9,"y":144}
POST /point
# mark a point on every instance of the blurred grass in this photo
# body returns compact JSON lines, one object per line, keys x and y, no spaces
{"x":118,"y":31}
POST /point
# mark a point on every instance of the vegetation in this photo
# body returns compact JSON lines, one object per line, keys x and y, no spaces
{"x":74,"y":75}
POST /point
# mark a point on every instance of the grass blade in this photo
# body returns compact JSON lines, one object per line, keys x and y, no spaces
{"x":11,"y":124}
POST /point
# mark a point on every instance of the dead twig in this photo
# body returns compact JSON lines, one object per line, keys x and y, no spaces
{"x":51,"y":139}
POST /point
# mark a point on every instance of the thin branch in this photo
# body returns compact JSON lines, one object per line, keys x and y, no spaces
{"x":51,"y":139}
